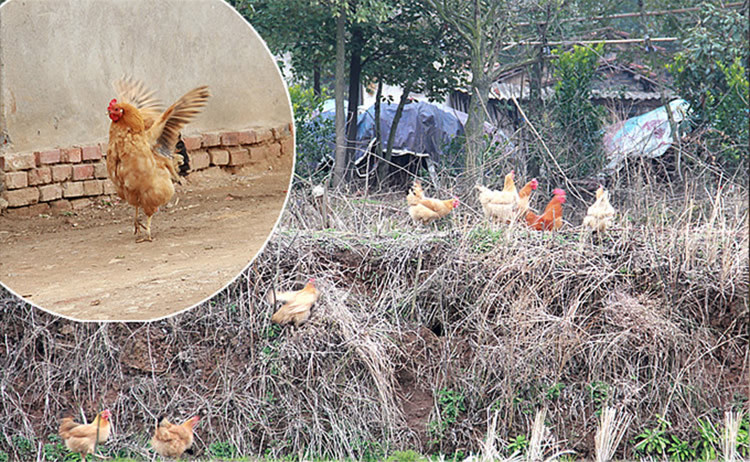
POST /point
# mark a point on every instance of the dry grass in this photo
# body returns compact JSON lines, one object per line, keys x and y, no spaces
{"x":651,"y":318}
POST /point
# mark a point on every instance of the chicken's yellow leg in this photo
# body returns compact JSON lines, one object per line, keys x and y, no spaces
{"x":148,"y":232}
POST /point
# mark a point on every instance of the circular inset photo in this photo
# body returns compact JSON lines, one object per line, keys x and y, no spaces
{"x":147,"y":150}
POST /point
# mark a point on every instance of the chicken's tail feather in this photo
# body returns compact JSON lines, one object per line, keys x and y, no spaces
{"x":166,"y":130}
{"x":181,"y":158}
{"x":415,"y":193}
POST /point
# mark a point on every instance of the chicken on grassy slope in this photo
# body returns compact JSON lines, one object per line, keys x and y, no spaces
{"x":551,"y":219}
{"x":172,"y":440}
{"x":297,"y":304}
{"x":141,"y":143}
{"x":424,"y":209}
{"x":601,"y":213}
{"x":500,"y":206}
{"x":82,"y":439}
{"x":524,"y":196}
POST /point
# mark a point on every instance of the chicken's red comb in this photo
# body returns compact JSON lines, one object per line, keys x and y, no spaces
{"x":558,"y":192}
{"x":112,"y":103}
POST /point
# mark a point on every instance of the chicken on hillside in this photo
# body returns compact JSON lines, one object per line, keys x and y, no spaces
{"x":424,"y":209}
{"x":141,"y":142}
{"x":297,"y":304}
{"x":551,"y":219}
{"x":500,"y":206}
{"x":524,"y":196}
{"x":83,"y":439}
{"x":172,"y":440}
{"x":601,"y":213}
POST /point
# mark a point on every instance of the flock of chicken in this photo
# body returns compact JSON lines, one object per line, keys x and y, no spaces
{"x":169,"y":440}
{"x":142,"y":166}
{"x":510,"y":205}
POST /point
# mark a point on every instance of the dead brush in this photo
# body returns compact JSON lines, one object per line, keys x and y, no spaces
{"x":651,"y":317}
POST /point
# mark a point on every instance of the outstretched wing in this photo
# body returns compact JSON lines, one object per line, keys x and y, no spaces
{"x":164,"y":133}
{"x":134,"y":92}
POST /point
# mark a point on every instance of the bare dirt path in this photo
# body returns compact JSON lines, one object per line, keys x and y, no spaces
{"x":86,"y":264}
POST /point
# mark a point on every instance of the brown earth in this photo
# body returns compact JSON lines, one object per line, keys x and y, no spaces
{"x":86,"y":265}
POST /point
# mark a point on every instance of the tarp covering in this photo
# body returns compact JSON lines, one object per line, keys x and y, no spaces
{"x":648,"y":135}
{"x":424,"y":129}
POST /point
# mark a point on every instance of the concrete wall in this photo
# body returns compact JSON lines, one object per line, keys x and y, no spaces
{"x":59,"y":58}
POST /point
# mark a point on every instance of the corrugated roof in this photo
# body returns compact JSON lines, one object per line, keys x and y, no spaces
{"x":505,"y":91}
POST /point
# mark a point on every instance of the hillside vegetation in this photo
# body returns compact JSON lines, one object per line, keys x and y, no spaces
{"x":421,"y":337}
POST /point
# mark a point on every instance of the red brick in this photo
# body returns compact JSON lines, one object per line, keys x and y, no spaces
{"x":109,"y":188}
{"x":263,"y":135}
{"x":41,"y":175}
{"x":50,"y":192}
{"x":60,"y":205}
{"x":239,"y":156}
{"x":72,"y":189}
{"x":91,"y":153}
{"x":14,"y":180}
{"x":230,"y":138}
{"x":14,"y":161}
{"x":29,"y":210}
{"x":78,"y":204}
{"x":199,"y":160}
{"x":21,"y":197}
{"x":72,"y":155}
{"x":219,"y":156}
{"x":48,"y":157}
{"x":209,"y":140}
{"x":93,"y":187}
{"x":192,"y":142}
{"x":100,"y":170}
{"x":287,"y":147}
{"x":61,"y":172}
{"x":247,"y":137}
{"x":83,"y":172}
{"x":281,"y":132}
{"x":265,"y":152}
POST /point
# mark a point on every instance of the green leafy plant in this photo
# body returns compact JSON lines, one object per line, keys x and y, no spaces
{"x":406,"y":456}
{"x":4,"y":456}
{"x":708,"y":439}
{"x":23,"y":445}
{"x":680,"y":450}
{"x":314,"y":133}
{"x":450,"y":404}
{"x":518,"y":445}
{"x":575,"y":119}
{"x":654,"y":441}
{"x":553,"y":391}
{"x":599,"y":393}
{"x":743,"y":437}
{"x":709,"y":74}
{"x":55,"y":449}
{"x":222,"y":449}
{"x":484,"y":239}
{"x":368,"y":451}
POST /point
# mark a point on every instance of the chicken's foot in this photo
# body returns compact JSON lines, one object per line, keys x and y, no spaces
{"x":148,"y":232}
{"x":137,"y":224}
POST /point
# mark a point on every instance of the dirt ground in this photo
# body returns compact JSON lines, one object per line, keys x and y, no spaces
{"x":86,"y":265}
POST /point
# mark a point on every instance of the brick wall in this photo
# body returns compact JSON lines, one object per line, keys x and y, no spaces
{"x":66,"y":178}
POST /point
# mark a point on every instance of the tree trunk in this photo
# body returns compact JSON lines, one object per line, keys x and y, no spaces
{"x":316,"y":78}
{"x":396,"y":119}
{"x":382,"y":166}
{"x":355,"y":71}
{"x":474,"y":130}
{"x":339,"y":166}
